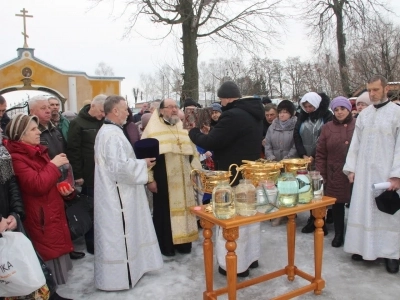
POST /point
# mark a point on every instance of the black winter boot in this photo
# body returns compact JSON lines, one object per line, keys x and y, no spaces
{"x":338,"y":222}
{"x":310,"y":227}
{"x":324,"y":228}
{"x":329,"y":216}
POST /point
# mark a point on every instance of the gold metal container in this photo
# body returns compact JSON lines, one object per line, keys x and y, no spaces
{"x":293,"y":164}
{"x":210,"y":179}
{"x":259,"y":170}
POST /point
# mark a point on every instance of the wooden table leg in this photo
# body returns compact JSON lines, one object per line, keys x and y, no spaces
{"x":318,"y":213}
{"x":291,"y":245}
{"x":208,"y":249}
{"x":231,"y":235}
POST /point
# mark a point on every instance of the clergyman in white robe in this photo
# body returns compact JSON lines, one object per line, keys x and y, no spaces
{"x":374,"y":157}
{"x":123,"y":228}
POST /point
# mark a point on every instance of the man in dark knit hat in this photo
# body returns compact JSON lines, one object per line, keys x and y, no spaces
{"x":234,"y":138}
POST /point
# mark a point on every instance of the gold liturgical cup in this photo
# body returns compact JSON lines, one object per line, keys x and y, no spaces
{"x":259,"y":170}
{"x":293,"y":164}
{"x":210,"y":179}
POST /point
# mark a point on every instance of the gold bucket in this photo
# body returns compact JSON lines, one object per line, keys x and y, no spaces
{"x":259,"y":170}
{"x":210,"y":179}
{"x":293,"y":164}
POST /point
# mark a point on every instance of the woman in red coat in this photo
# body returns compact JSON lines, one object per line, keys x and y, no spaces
{"x":37,"y":176}
{"x":332,"y":147}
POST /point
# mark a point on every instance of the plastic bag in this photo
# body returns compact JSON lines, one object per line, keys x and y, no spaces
{"x":20,"y":271}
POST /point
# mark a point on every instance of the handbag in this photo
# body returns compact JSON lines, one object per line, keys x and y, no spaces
{"x":79,"y":213}
{"x":20,"y":271}
{"x":51,"y":285}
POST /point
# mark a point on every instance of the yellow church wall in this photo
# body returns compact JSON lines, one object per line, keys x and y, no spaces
{"x":44,"y":76}
{"x":41,"y":76}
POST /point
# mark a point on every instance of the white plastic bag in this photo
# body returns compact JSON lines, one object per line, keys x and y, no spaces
{"x":20,"y":271}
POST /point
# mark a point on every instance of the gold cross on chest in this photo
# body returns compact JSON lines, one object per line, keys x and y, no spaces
{"x":24,"y":15}
{"x":179,"y":143}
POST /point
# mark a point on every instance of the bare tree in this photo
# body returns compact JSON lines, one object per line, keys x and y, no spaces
{"x":295,"y":71}
{"x":135,"y":93}
{"x":104,"y":70}
{"x":278,"y":73}
{"x":377,"y":52}
{"x":148,"y":84}
{"x":341,"y":19}
{"x":244,"y":23}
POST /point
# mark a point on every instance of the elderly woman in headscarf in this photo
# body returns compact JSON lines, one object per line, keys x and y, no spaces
{"x":332,"y":148}
{"x":37,"y":177}
{"x":313,"y":115}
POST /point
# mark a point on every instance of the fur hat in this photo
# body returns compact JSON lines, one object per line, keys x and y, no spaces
{"x":229,"y":89}
{"x":341,"y":101}
{"x":18,"y":126}
{"x":216,"y":107}
{"x":313,"y":98}
{"x":190,"y":102}
{"x":364,"y":97}
{"x":286,"y":105}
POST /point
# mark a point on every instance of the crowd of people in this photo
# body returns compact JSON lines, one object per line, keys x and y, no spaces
{"x":141,"y":205}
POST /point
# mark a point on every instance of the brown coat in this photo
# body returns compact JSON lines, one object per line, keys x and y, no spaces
{"x":332,"y":147}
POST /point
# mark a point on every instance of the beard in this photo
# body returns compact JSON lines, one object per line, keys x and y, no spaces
{"x":173,"y":120}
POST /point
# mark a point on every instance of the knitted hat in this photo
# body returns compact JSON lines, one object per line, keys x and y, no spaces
{"x":18,"y":126}
{"x":229,"y":89}
{"x":216,"y":107}
{"x":266,"y":100}
{"x":364,"y":97}
{"x":190,"y":102}
{"x":286,"y":105}
{"x":340,"y":101}
{"x":313,"y":98}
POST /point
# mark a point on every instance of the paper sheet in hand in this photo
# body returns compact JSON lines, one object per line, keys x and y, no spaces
{"x":381,"y":186}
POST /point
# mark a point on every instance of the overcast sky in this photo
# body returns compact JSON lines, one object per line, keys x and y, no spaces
{"x":75,"y":36}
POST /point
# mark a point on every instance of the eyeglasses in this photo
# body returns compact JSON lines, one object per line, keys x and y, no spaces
{"x":171,"y":107}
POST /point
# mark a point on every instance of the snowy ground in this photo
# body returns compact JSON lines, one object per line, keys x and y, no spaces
{"x":182,"y":277}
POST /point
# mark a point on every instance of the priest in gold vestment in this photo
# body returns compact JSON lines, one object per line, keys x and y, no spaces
{"x":175,"y":226}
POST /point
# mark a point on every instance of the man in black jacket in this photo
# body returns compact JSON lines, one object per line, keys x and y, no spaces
{"x":81,"y":137}
{"x":234,"y":138}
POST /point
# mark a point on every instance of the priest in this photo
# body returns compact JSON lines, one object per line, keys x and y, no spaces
{"x":374,"y":157}
{"x":125,"y":240}
{"x":175,"y":226}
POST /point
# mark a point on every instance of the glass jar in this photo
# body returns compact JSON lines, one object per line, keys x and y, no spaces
{"x":245,"y":198}
{"x":317,"y":185}
{"x":288,"y":189}
{"x":305,"y":188}
{"x":222,"y":201}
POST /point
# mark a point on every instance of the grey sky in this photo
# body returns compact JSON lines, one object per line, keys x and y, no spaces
{"x":71,"y":36}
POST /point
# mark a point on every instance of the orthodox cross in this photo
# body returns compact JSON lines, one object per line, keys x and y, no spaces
{"x":24,"y":15}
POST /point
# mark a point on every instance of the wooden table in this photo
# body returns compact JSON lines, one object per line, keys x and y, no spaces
{"x":230,"y":229}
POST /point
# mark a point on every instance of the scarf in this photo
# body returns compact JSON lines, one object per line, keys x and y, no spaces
{"x":6,"y":168}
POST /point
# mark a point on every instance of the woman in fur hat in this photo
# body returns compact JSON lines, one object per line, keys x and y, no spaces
{"x":279,"y":138}
{"x":314,"y":114}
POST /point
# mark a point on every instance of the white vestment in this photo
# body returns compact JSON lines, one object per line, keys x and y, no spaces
{"x":120,"y":201}
{"x":374,"y":157}
{"x":247,"y":246}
